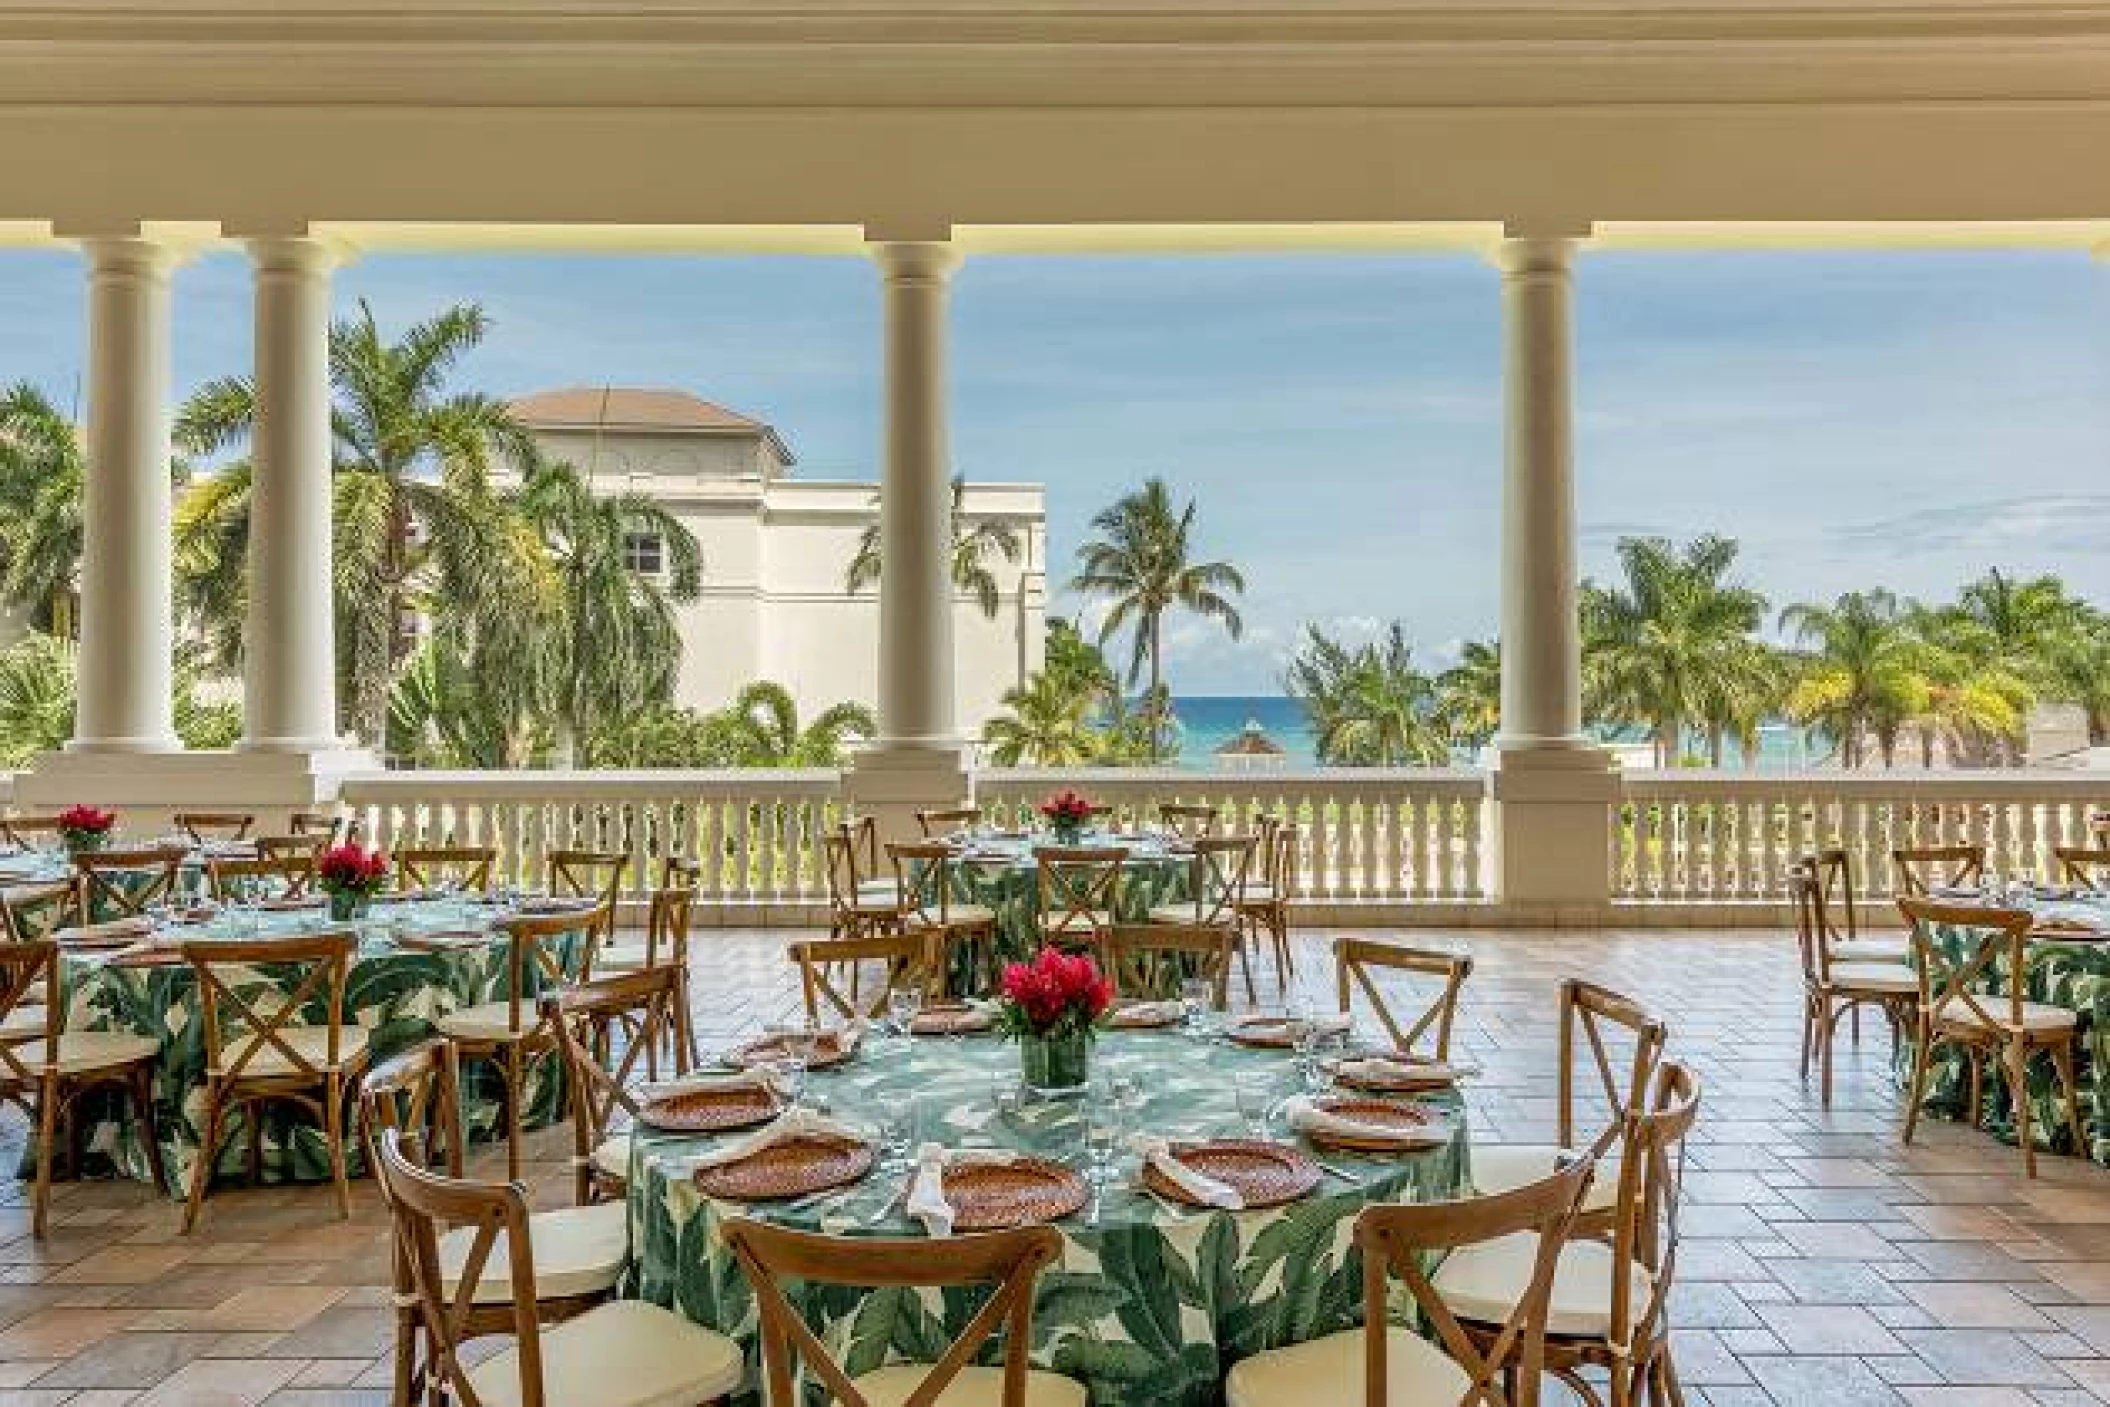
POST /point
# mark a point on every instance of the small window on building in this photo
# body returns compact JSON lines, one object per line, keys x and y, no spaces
{"x":642,"y":553}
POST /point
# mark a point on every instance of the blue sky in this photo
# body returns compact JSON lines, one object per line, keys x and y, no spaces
{"x":1899,"y":419}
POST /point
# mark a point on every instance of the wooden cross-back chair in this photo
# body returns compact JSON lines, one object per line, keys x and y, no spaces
{"x":323,"y":826}
{"x":941,"y":821}
{"x":1009,"y":1262}
{"x":1833,"y":987}
{"x":271,"y":847}
{"x":205,"y":826}
{"x":1921,"y":869}
{"x":1612,"y":1311}
{"x":591,"y":874}
{"x":925,"y":877}
{"x":855,"y":907}
{"x":1269,"y":889}
{"x":1355,"y":960}
{"x":579,"y":1252}
{"x":1838,"y":913}
{"x":30,"y":832}
{"x":44,"y":1068}
{"x":430,"y":866}
{"x":1383,"y":1363}
{"x":2087,"y":865}
{"x":1594,"y":1022}
{"x":666,"y":945}
{"x":909,"y":959}
{"x":1079,"y":892}
{"x":602,"y":1105}
{"x":1135,"y":954}
{"x":509,"y":1033}
{"x":265,"y":877}
{"x":1217,"y":873}
{"x":657,"y":1355}
{"x":264,"y":1044}
{"x":1190,"y":822}
{"x":126,"y":883}
{"x":40,"y":909}
{"x":1955,"y":1009}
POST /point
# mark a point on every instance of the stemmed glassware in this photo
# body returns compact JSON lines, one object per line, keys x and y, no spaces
{"x":1105,"y":1129}
{"x":903,"y":1004}
{"x":1194,"y":1003}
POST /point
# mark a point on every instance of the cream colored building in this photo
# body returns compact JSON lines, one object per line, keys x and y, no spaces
{"x":776,"y":548}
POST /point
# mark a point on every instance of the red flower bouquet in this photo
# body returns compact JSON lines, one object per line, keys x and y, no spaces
{"x":351,"y":869}
{"x":85,"y":827}
{"x":1052,"y":1004}
{"x":1067,"y":814}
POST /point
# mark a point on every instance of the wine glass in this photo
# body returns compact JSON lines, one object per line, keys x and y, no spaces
{"x":1254,"y":1092}
{"x":1105,"y":1126}
{"x":903,"y":1005}
{"x":1194,"y":1000}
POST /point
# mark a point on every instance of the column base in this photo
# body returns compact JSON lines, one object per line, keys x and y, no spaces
{"x":891,"y":781}
{"x":126,"y":746}
{"x":1551,"y":826}
{"x":148,"y":788}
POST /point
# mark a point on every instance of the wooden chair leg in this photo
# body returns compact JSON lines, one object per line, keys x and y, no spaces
{"x":1827,"y":1033}
{"x":252,"y":1112}
{"x":1917,"y":1089}
{"x":687,"y":1016}
{"x":47,"y":1145}
{"x":334,"y":1135}
{"x":1810,"y":1007}
{"x":142,"y":1084}
{"x":2017,"y":1063}
{"x":512,"y":1078}
{"x":208,"y":1153}
{"x":2062,"y":1061}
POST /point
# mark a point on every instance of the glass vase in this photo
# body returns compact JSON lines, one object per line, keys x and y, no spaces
{"x":1056,"y":1066}
{"x":347,"y":905}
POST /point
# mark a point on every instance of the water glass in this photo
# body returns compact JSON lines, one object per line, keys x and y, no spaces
{"x":1194,"y":1001}
{"x":898,"y":1131}
{"x":1255,"y":1093}
{"x":1004,"y":1092}
{"x":1105,"y":1128}
{"x":788,"y":1074}
{"x":902,"y":1006}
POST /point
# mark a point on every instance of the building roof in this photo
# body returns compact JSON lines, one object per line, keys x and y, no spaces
{"x":652,"y":410}
{"x":1251,"y":741}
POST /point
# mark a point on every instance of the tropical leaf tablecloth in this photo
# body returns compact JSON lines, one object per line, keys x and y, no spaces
{"x":395,"y":993}
{"x":1001,"y":874}
{"x":1152,"y":1304}
{"x":2074,"y":974}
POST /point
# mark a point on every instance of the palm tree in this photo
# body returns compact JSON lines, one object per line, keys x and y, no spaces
{"x":2018,"y":619}
{"x":1865,"y":676}
{"x":1980,"y":672}
{"x":1664,"y":646}
{"x":973,"y":545}
{"x":413,"y":512}
{"x":764,"y":722}
{"x":1046,"y":723}
{"x":1141,"y":563}
{"x":42,"y":477}
{"x":1469,"y":695}
{"x":2080,"y":670}
{"x":616,"y":649}
{"x":1369,"y":706}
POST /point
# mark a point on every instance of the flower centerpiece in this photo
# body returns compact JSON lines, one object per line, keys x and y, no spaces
{"x":85,"y":827}
{"x":1052,"y":1005}
{"x":1066,"y":813}
{"x":351,"y":875}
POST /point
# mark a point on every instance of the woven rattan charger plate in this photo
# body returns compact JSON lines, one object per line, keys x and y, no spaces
{"x":1263,"y":1032}
{"x":999,"y":1196}
{"x":1144,"y":1016}
{"x":828,"y":1050}
{"x":793,"y":1168}
{"x":1415,"y":1074}
{"x":709,"y":1109}
{"x":950,"y":1019}
{"x":1418,"y":1127}
{"x":1263,"y":1174}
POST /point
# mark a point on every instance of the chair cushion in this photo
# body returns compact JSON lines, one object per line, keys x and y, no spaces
{"x":489,"y":1022}
{"x":1874,"y":977}
{"x":1889,"y":948}
{"x":962,"y":916}
{"x":974,"y":1387}
{"x":1504,"y":1167}
{"x":1185,"y":916}
{"x":626,"y":1353}
{"x":629,"y":957}
{"x":313,"y":1044}
{"x":82,"y":1051}
{"x":2036,"y":1016}
{"x":577,"y":1250}
{"x":1483,"y":1282}
{"x":612,"y":1157}
{"x":22,"y":1023}
{"x":1257,"y":894}
{"x":1081,"y":921}
{"x":1330,"y":1371}
{"x":883,"y":890}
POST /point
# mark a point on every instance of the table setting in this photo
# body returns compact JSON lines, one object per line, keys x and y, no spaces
{"x":1204,"y":1189}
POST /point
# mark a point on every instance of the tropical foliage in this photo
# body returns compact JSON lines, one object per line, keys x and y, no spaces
{"x":976,"y":542}
{"x":1369,"y":705}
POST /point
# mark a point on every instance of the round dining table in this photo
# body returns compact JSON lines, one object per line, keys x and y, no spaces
{"x":1000,"y":871}
{"x":1150,"y":1301}
{"x":2068,"y":964}
{"x":418,"y":958}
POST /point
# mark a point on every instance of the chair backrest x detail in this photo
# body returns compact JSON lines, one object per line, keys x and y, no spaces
{"x":1921,"y":869}
{"x":248,"y":1013}
{"x":1989,"y":948}
{"x":1358,"y":960}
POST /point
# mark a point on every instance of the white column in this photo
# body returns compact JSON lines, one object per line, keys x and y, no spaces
{"x":127,"y":631}
{"x":1541,"y":640}
{"x":915,"y":515}
{"x":1552,"y":790}
{"x":290,"y":700}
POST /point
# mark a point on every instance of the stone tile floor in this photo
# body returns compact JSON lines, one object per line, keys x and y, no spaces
{"x":1823,"y":1263}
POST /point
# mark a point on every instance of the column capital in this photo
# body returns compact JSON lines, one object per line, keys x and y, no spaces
{"x":298,"y":253}
{"x":1535,"y":256}
{"x":130,"y":256}
{"x":915,"y":260}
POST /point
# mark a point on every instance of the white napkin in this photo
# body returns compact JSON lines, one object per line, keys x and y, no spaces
{"x":926,"y":1194}
{"x":1305,"y":1116}
{"x":1199,"y":1185}
{"x":1151,"y":1011}
{"x":797,"y":1123}
{"x":760,"y":1077}
{"x":1382,"y":1067}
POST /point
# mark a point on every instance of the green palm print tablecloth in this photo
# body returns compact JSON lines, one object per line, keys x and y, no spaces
{"x":1152,"y":1304}
{"x":2072,"y":974}
{"x":395,"y":993}
{"x":999,"y":873}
